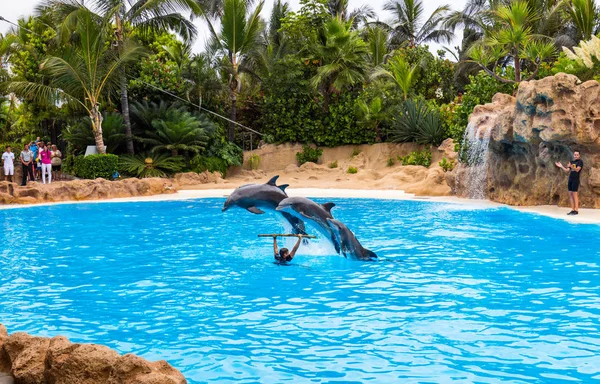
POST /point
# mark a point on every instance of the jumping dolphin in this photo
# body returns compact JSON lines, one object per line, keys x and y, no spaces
{"x":349,"y":242}
{"x":256,"y":198}
{"x":310,"y":212}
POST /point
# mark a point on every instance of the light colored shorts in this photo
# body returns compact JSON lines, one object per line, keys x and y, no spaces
{"x":9,"y":170}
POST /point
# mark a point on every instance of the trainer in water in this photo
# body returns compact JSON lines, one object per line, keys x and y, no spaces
{"x":257,"y":198}
{"x":574,"y":170}
{"x":284,"y":255}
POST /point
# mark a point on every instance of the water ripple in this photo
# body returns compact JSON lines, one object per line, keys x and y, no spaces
{"x":458,"y":295}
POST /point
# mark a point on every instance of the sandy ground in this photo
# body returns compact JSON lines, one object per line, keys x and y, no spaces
{"x":370,"y":162}
{"x":586,"y":216}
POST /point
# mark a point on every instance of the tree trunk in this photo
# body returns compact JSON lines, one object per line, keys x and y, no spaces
{"x":517,"y":68}
{"x":96,"y":118}
{"x":231,"y":135}
{"x":124,"y":97}
{"x":125,"y":113}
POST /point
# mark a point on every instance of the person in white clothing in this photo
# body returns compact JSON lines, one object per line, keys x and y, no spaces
{"x":8,"y":158}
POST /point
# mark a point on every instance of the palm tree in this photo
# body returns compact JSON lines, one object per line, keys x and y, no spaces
{"x":202,"y":80}
{"x":85,"y":71}
{"x":239,"y":35}
{"x":402,"y":73}
{"x":584,"y":16}
{"x":80,"y":135}
{"x":343,"y":56}
{"x":359,"y":15}
{"x":377,"y":38}
{"x":408,"y":25}
{"x":512,"y":37}
{"x":372,"y":114}
{"x":143,"y":16}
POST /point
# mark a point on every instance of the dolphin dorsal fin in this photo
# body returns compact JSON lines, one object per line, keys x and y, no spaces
{"x":283,"y":187}
{"x":328,"y":206}
{"x":273,"y":180}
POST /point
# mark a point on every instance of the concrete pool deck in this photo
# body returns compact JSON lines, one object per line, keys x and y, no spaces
{"x":586,"y":216}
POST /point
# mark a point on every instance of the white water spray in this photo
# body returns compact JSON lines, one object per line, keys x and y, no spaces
{"x":315,"y":247}
{"x":475,"y":151}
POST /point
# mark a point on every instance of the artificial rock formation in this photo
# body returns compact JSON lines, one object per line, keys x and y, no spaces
{"x":39,"y":360}
{"x":12,"y":193}
{"x":546,"y":121}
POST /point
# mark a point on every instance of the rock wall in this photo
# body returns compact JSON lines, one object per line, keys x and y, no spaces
{"x":100,"y":189}
{"x":12,"y":193}
{"x":39,"y":360}
{"x":546,"y":121}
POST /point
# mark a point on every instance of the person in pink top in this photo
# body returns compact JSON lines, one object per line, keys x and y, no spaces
{"x":46,"y":156}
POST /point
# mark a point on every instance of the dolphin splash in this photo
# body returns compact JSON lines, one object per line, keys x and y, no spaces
{"x":349,"y":243}
{"x":257,"y":198}
{"x":312,"y":213}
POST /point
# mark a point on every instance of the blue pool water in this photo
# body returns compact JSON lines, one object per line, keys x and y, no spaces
{"x":459,"y":295}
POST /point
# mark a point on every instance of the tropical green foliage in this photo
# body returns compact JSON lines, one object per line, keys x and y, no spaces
{"x":150,"y":165}
{"x":309,"y":154}
{"x":512,"y":36}
{"x":447,"y":165}
{"x":417,"y":122}
{"x":95,"y":166}
{"x":422,"y":158}
{"x":323,"y":75}
{"x":177,"y":132}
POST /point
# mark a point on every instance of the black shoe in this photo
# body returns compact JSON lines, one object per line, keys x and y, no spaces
{"x":575,"y":213}
{"x":570,"y":213}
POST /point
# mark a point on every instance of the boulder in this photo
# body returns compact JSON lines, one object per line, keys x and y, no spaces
{"x":37,"y":360}
{"x":27,"y":355}
{"x":546,"y":121}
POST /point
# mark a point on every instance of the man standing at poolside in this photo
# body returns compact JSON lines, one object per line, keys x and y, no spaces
{"x":26,"y":160}
{"x":574,"y":171}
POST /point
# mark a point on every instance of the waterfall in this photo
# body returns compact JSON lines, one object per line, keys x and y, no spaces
{"x":475,"y":153}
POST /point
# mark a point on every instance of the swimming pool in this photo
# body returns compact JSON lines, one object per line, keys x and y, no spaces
{"x":459,"y":294}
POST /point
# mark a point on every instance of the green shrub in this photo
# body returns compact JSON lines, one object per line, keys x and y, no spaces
{"x":254,"y":161}
{"x":417,"y":158}
{"x":94,"y":166}
{"x":333,"y":164}
{"x":309,"y":154}
{"x":293,"y":112}
{"x":355,"y":152}
{"x":446,"y":165}
{"x":418,"y":123}
{"x":212,"y":164}
{"x":230,"y":152}
{"x":352,"y":170}
{"x":391,"y":162}
{"x":150,"y":165}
